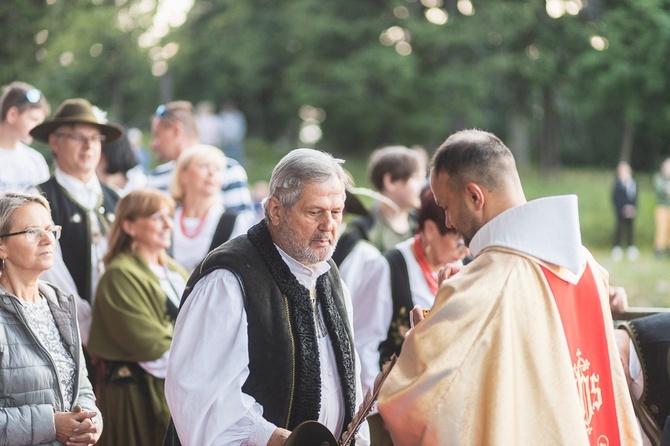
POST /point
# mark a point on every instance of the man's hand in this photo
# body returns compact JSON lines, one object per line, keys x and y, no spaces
{"x":618,"y":299}
{"x":415,"y":316}
{"x":447,"y":271}
{"x":76,"y":428}
{"x":278,"y":437}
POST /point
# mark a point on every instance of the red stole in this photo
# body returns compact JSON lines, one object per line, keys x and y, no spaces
{"x":584,"y":327}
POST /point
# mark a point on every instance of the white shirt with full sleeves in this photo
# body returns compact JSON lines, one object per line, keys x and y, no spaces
{"x":189,"y":251}
{"x":373,"y":306}
{"x":209,"y":364}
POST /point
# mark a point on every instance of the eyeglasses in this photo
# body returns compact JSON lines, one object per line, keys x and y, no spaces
{"x":80,"y":139}
{"x":35,"y":234}
{"x":160,"y":217}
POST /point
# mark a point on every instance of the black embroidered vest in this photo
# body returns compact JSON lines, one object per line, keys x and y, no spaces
{"x":76,"y":236}
{"x":651,"y":340}
{"x":284,"y":365}
{"x":401,"y":294}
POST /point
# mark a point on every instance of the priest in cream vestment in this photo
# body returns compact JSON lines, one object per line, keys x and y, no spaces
{"x":518,"y":348}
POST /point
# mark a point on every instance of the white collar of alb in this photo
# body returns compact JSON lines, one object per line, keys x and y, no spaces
{"x":546,"y":228}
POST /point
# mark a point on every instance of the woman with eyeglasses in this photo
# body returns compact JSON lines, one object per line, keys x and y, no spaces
{"x":202,"y":220}
{"x":135,"y":307}
{"x":45,"y":394}
{"x":22,"y":107}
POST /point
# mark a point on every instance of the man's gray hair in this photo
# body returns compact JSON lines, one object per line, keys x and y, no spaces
{"x":300,"y":167}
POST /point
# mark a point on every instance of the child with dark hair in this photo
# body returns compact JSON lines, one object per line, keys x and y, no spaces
{"x":22,"y":107}
{"x":398,"y":174}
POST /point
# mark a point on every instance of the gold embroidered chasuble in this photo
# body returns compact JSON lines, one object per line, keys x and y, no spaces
{"x":491,"y":366}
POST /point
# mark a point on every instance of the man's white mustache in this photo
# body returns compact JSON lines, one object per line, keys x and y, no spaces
{"x":322,"y":236}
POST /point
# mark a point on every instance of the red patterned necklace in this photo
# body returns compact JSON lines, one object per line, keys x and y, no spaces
{"x":431,"y":280}
{"x":198,"y":229}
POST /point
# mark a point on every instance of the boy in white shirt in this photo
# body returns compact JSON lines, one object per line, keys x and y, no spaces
{"x":22,"y":107}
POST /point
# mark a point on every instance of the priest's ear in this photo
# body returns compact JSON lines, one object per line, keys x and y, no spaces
{"x":474,"y":196}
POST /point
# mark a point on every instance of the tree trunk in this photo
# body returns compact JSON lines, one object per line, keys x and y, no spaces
{"x":627,"y":140}
{"x":519,"y":142}
{"x":166,"y":87}
{"x":550,"y":159}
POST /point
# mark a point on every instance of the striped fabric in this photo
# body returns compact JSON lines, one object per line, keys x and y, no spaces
{"x":234,"y":190}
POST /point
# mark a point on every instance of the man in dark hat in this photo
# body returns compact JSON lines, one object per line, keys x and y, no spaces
{"x":82,"y":205}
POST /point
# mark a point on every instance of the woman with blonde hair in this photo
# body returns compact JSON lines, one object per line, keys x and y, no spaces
{"x":46,"y":395}
{"x":203,"y":223}
{"x":135,"y":308}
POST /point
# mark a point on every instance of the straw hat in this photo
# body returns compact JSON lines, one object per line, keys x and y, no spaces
{"x":76,"y":111}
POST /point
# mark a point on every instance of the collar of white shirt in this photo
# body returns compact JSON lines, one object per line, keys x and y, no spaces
{"x":86,"y":194}
{"x":546,"y":228}
{"x":305,"y":275}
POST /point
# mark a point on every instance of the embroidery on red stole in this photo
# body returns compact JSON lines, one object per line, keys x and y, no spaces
{"x":584,"y":327}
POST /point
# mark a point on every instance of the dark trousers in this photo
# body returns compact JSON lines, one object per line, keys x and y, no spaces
{"x":624,"y":229}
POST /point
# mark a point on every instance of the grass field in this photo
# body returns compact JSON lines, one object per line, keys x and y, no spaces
{"x":646,"y":281}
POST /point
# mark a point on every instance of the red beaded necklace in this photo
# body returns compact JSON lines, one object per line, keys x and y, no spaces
{"x":197,"y":230}
{"x":431,"y":280}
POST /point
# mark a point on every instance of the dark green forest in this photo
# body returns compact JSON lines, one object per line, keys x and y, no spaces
{"x":562,"y":82}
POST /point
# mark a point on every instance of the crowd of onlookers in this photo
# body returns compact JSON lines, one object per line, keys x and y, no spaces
{"x":99,"y":252}
{"x":125,"y":239}
{"x":127,"y":235}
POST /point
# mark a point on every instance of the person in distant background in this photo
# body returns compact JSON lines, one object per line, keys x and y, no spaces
{"x":259,"y":191}
{"x":662,"y":211}
{"x":142,"y":153}
{"x":174,"y":130}
{"x":119,"y":168}
{"x":624,"y":197}
{"x":22,"y":107}
{"x":209,"y":124}
{"x":232,"y":131}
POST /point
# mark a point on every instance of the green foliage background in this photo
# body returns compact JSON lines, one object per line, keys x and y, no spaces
{"x":509,"y":68}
